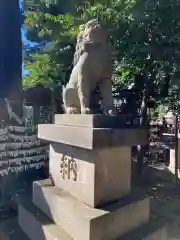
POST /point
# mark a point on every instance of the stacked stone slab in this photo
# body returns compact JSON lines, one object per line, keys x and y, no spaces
{"x":88,"y":195}
{"x":172,"y":159}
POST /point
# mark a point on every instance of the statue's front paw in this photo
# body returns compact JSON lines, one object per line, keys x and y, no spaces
{"x":72,"y":110}
{"x":85,"y":111}
{"x":112,"y":112}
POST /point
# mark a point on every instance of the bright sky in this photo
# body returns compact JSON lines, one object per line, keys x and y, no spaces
{"x":24,"y":40}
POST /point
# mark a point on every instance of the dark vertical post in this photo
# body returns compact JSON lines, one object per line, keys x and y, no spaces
{"x":176,"y":147}
{"x":10,"y":51}
{"x":143,"y":124}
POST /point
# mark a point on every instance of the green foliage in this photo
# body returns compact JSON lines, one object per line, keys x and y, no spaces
{"x":161,"y":111}
{"x":48,"y":67}
{"x":145,"y":37}
{"x":49,"y":64}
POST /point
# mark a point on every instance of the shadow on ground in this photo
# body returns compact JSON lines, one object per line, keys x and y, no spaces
{"x":165,"y":198}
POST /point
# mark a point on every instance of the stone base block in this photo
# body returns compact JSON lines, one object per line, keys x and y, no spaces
{"x":92,"y":138}
{"x":172,"y":163}
{"x":95,"y":177}
{"x":41,"y":228}
{"x":178,"y":151}
{"x":89,"y":120}
{"x":85,"y":223}
{"x":36,"y":226}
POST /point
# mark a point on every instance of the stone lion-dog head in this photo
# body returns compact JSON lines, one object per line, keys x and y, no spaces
{"x":92,"y":67}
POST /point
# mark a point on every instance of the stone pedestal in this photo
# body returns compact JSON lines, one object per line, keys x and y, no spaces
{"x":95,"y":177}
{"x":172,"y":159}
{"x":88,"y":195}
{"x":172,"y":162}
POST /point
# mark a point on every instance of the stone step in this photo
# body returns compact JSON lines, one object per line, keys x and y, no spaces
{"x":36,"y":225}
{"x":85,"y":223}
{"x":10,"y":230}
{"x":153,"y":230}
{"x":41,"y":228}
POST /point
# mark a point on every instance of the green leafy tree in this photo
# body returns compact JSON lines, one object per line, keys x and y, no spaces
{"x":145,"y":37}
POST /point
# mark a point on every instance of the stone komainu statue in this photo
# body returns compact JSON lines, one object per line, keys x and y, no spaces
{"x":92,"y":67}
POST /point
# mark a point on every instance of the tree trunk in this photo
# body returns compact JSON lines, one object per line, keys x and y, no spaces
{"x":11,"y":54}
{"x":143,"y":124}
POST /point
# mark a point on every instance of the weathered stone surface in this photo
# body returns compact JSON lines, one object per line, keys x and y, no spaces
{"x":42,"y":228}
{"x":92,"y":138}
{"x":178,"y":151}
{"x":172,"y":163}
{"x":85,"y":223}
{"x":88,"y":120}
{"x":95,"y":177}
{"x":88,"y":138}
{"x":36,"y":226}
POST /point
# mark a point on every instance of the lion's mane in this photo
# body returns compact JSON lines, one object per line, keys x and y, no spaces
{"x":90,"y":33}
